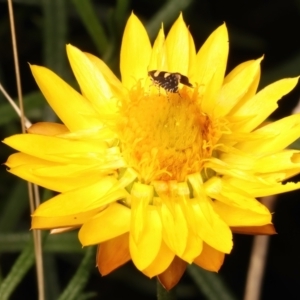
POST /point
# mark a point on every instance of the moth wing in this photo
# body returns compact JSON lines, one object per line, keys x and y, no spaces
{"x":170,"y":84}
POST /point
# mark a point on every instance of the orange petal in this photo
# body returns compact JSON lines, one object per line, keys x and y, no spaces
{"x":113,"y":253}
{"x":268,"y":229}
{"x":172,"y":275}
{"x":210,"y":258}
{"x":47,"y":128}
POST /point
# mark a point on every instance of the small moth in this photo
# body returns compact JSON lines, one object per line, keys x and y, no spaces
{"x":168,"y":81}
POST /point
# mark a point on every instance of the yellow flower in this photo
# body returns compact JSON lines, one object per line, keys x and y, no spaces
{"x":156,"y":177}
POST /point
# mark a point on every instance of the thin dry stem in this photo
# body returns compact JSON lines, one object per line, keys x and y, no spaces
{"x":296,"y":109}
{"x":27,"y":123}
{"x":258,"y":259}
{"x":259,"y":251}
{"x":36,"y":235}
{"x":16,"y":62}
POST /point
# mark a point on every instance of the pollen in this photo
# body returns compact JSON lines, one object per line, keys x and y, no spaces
{"x":164,"y":136}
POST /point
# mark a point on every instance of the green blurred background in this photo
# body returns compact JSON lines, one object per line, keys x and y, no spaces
{"x":44,"y":27}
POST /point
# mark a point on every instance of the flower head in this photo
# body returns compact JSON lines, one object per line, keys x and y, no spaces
{"x":156,"y":174}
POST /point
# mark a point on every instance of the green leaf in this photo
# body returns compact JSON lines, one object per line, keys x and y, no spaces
{"x":90,"y":21}
{"x":61,"y":243}
{"x":168,"y":13}
{"x":55,"y":34}
{"x":163,"y":294}
{"x":210,"y":284}
{"x":24,"y":262}
{"x":80,"y":279}
{"x":14,"y":207}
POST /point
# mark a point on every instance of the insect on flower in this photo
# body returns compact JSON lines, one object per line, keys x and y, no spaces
{"x":151,"y":200}
{"x":168,"y":81}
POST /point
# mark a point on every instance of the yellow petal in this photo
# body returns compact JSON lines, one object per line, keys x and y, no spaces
{"x":212,"y":229}
{"x":96,"y":195}
{"x":162,"y":261}
{"x":253,"y":87}
{"x":280,"y":135}
{"x":61,"y":150}
{"x":175,"y":228}
{"x":241,"y":161}
{"x":72,"y":108}
{"x":19,"y":159}
{"x":221,"y":167}
{"x":56,"y":177}
{"x":92,"y":83}
{"x":239,"y":216}
{"x":235,"y":89}
{"x":115,"y":84}
{"x":192,"y":53}
{"x":261,"y":190}
{"x":280,"y":161}
{"x":108,"y":224}
{"x":263,"y":103}
{"x":145,"y":250}
{"x":235,"y":206}
{"x":172,"y":208}
{"x":127,"y":178}
{"x":193,"y":247}
{"x":113,"y":253}
{"x":141,"y":195}
{"x":210,"y":66}
{"x":177,"y":46}
{"x":103,"y":134}
{"x":72,"y":220}
{"x":135,"y":53}
{"x":158,"y":59}
{"x":194,"y":243}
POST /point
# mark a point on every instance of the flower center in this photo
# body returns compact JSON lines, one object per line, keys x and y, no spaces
{"x":164,"y":136}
